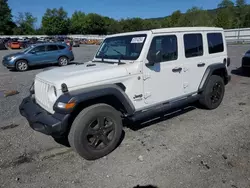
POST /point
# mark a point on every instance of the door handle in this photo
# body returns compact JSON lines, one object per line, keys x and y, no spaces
{"x":201,"y":64}
{"x":178,"y":69}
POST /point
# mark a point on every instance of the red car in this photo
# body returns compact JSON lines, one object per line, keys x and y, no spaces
{"x":15,"y":45}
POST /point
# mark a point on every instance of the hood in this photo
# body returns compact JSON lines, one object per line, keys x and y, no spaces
{"x":13,"y":54}
{"x":82,"y":74}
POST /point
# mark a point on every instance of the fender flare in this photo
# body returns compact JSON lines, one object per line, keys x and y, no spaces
{"x":209,"y":71}
{"x":90,"y":93}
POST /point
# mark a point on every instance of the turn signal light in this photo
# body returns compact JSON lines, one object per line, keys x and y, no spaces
{"x":66,"y":105}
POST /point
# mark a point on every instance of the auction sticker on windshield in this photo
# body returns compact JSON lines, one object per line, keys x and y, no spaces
{"x":137,"y":40}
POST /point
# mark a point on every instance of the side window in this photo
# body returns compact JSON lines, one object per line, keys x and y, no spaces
{"x":215,"y":43}
{"x":39,"y":49}
{"x":193,"y":45}
{"x":61,"y":47}
{"x":166,"y":45}
{"x":52,"y":48}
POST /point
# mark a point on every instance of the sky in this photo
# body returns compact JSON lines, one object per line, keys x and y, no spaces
{"x":116,"y":9}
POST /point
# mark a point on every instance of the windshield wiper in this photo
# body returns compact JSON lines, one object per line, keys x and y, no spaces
{"x":121,"y":55}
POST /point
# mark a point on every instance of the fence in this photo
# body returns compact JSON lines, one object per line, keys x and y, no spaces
{"x":241,"y":35}
{"x":89,"y":37}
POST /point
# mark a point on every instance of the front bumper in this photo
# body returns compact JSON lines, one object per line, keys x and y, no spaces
{"x":40,"y":120}
{"x":8,"y":64}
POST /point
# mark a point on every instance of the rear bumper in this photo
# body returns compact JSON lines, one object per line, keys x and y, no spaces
{"x":41,"y":121}
{"x":245,"y":62}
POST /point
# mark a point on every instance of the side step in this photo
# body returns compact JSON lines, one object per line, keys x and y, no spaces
{"x":140,"y":115}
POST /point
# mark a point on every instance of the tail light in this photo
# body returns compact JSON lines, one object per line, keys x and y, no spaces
{"x":70,"y":48}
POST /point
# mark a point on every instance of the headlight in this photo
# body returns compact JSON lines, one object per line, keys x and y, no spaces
{"x":11,"y":58}
{"x":52,"y":93}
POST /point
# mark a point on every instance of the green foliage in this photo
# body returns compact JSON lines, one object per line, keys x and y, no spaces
{"x":55,"y":22}
{"x":195,"y":17}
{"x":240,"y":3}
{"x":225,"y":4}
{"x":224,"y":19}
{"x":25,"y":24}
{"x":6,"y":24}
{"x":95,"y":24}
{"x":77,"y":22}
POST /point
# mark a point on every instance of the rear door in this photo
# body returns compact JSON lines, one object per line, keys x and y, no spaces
{"x":52,"y":52}
{"x":217,"y":49}
{"x":195,"y":61}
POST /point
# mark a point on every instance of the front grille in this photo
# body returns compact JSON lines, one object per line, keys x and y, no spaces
{"x":41,"y":95}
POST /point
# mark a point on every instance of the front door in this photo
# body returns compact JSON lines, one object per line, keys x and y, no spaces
{"x":163,"y":80}
{"x":37,"y":55}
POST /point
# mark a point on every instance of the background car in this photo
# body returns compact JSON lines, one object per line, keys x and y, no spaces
{"x":38,"y":54}
{"x":15,"y":45}
{"x":245,"y":63}
{"x":76,"y":43}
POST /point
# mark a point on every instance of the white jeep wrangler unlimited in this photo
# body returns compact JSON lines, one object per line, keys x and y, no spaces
{"x":132,"y":76}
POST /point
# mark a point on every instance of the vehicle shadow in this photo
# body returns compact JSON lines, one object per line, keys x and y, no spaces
{"x":65,"y":142}
{"x":135,"y":126}
{"x":145,"y":186}
{"x":241,"y":72}
{"x":44,"y":67}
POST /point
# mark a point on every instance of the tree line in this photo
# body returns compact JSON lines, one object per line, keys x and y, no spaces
{"x":57,"y":22}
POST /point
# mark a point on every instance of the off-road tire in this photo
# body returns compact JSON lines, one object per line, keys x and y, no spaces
{"x":21,"y":65}
{"x":206,"y":98}
{"x":78,"y":135}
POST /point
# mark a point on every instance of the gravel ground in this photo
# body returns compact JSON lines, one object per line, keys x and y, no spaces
{"x":189,"y":148}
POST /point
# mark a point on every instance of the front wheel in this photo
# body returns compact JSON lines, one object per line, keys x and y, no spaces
{"x":96,"y":131}
{"x":213,"y":94}
{"x":22,"y":65}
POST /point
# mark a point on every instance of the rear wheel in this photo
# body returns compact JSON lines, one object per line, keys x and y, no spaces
{"x":22,"y":65}
{"x":213,"y":94}
{"x":96,"y":131}
{"x":63,"y":61}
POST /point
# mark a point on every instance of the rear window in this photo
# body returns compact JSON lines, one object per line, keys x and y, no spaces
{"x":61,"y":47}
{"x":215,"y":43}
{"x":52,"y":48}
{"x":193,"y":45}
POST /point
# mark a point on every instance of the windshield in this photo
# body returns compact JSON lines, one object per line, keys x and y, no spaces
{"x":26,"y":49}
{"x":122,"y":47}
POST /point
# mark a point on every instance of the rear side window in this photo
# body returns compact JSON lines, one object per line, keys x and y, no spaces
{"x":39,"y":49}
{"x":193,"y":45}
{"x":215,"y":43}
{"x":167,"y":45}
{"x":61,"y":47}
{"x":52,"y":48}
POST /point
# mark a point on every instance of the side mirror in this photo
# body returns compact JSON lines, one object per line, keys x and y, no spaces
{"x":32,"y":52}
{"x":154,"y":58}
